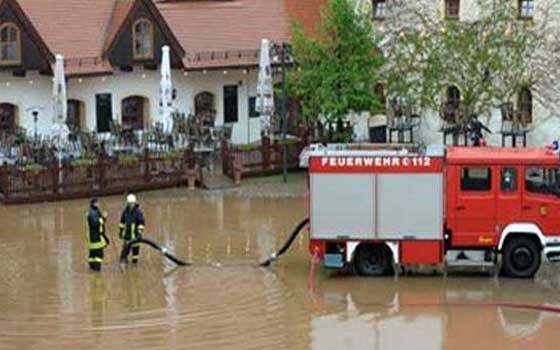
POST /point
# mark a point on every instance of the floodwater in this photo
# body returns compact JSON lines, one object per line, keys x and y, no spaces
{"x":49,"y":299}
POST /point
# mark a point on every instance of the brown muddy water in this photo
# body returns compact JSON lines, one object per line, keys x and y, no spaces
{"x":49,"y":299}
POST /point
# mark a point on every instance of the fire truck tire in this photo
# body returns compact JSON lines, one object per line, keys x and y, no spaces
{"x":373,"y":260}
{"x":521,"y":258}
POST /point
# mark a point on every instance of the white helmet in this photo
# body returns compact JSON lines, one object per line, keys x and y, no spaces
{"x":131,"y":199}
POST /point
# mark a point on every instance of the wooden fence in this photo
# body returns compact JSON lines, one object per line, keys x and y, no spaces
{"x":263,"y":159}
{"x":101,"y":176}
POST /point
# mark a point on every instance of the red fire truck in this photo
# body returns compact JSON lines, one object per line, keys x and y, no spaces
{"x":459,"y":206}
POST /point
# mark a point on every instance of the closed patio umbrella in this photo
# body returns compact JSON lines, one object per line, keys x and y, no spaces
{"x":265,"y":93}
{"x":166,"y":91}
{"x":59,"y":129}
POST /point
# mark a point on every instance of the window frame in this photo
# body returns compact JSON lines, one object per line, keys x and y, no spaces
{"x":381,"y":16}
{"x":488,"y":178}
{"x":234,"y":117}
{"x":520,"y":9}
{"x":525,"y":105}
{"x":515,"y":182}
{"x":452,"y":103}
{"x":546,"y":170}
{"x":252,"y":104}
{"x":450,"y":16}
{"x":18,"y":44}
{"x":135,"y":54}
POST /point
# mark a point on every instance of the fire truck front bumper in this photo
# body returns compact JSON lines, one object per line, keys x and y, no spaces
{"x":552,"y":250}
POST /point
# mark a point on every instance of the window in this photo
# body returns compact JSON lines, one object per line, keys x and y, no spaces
{"x":379,"y":9}
{"x":143,"y":39}
{"x":476,"y":179}
{"x":509,"y":180}
{"x":230,"y":104}
{"x":451,"y":106}
{"x":380,"y":93}
{"x":134,"y":112}
{"x":543,"y":180}
{"x":74,"y":115}
{"x":7,"y":117}
{"x":103,"y":112}
{"x":525,"y":106}
{"x":526,"y":9}
{"x":452,"y":8}
{"x":10,"y":48}
{"x":252,"y":107}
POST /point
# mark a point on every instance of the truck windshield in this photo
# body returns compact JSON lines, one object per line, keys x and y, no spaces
{"x":543,"y":180}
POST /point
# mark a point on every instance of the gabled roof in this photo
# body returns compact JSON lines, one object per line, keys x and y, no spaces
{"x":124,"y":9}
{"x":219,"y":26}
{"x":22,"y":16}
{"x":206,"y":33}
{"x":72,"y":28}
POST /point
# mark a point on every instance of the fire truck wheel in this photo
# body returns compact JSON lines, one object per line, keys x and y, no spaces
{"x":521,"y":258}
{"x":373,"y":259}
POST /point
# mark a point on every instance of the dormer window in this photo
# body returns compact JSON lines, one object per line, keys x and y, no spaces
{"x":143,"y":39}
{"x":10,"y":45}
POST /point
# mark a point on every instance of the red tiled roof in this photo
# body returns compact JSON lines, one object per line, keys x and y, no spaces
{"x":213,"y":33}
{"x":73,"y":28}
{"x":307,"y":13}
{"x":120,"y":11}
{"x":87,"y":66}
{"x":221,"y":59}
{"x":219,"y":26}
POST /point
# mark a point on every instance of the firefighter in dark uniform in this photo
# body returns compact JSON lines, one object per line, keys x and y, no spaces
{"x":132,"y":225}
{"x":96,"y":238}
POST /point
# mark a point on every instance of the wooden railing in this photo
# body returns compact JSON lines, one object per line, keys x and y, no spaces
{"x":97,"y":177}
{"x":263,"y":159}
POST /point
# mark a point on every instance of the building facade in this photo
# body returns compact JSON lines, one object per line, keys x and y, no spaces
{"x":540,"y":113}
{"x":112,"y":51}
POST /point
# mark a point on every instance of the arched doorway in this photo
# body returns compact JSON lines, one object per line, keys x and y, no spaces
{"x":135,"y":112}
{"x":205,"y":108}
{"x":525,"y":105}
{"x":8,"y":117}
{"x":75,"y":116}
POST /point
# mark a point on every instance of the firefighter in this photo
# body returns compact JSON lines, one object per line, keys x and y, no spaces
{"x":132,"y":225}
{"x":97,"y":240}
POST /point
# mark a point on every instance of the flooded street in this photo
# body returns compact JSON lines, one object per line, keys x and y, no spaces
{"x":50,"y":300}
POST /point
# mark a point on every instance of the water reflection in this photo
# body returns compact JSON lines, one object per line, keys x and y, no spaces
{"x":454,"y":313}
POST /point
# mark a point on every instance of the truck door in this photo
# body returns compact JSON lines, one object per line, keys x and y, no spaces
{"x":508,"y":203}
{"x":475,"y":207}
{"x":541,"y":198}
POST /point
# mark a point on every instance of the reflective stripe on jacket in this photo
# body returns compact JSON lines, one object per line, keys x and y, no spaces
{"x":95,"y":229}
{"x":132,"y":223}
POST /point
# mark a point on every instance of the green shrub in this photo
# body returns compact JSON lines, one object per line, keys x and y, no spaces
{"x":82,"y":162}
{"x":128,"y":159}
{"x":33,"y":168}
{"x":173,"y":155}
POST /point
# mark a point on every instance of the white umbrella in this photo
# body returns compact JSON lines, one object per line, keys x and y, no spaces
{"x":166,"y":91}
{"x":59,"y":130}
{"x":265,"y":96}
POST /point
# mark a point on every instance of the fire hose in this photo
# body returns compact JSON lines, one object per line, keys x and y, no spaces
{"x":287,"y":244}
{"x":144,"y":240}
{"x":128,"y":245}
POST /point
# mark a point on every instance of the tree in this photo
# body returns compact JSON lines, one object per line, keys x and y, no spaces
{"x":337,"y":72}
{"x":489,"y":58}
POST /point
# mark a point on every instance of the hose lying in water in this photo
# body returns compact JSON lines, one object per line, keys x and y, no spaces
{"x":286,"y":245}
{"x":128,"y":245}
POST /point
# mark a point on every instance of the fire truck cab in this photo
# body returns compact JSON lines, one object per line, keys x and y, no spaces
{"x":456,"y":206}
